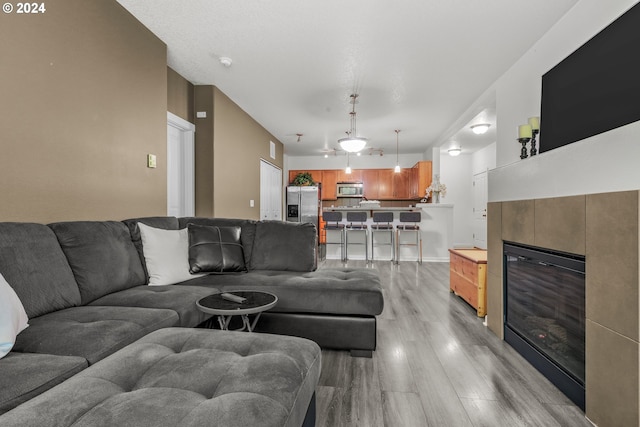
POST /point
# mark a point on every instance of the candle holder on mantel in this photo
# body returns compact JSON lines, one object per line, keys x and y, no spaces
{"x":523,"y":151}
{"x":534,"y":150}
{"x":534,"y":122}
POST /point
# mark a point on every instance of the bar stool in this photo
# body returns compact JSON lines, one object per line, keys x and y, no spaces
{"x":409,"y":223}
{"x":356,"y":224}
{"x":382,"y":223}
{"x":332,"y":222}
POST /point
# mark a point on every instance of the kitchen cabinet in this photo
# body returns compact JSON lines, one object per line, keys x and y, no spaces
{"x":379,"y":184}
{"x":354,"y":176}
{"x":329,"y":181}
{"x":422,"y":179}
{"x":385,"y":184}
{"x":370,"y":184}
{"x":402,"y":184}
{"x":468,"y":277}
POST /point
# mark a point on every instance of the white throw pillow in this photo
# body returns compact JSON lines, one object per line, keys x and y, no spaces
{"x":166,"y":253}
{"x":13,"y":318}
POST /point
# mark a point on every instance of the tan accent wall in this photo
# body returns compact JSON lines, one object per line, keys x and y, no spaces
{"x":204,"y":151}
{"x":606,"y":229}
{"x":180,"y":96}
{"x":229,"y":147}
{"x":83,"y":101}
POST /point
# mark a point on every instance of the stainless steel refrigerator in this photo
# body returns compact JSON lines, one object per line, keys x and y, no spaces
{"x":303,"y":204}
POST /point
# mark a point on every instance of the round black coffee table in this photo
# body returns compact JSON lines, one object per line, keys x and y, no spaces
{"x":256,"y":302}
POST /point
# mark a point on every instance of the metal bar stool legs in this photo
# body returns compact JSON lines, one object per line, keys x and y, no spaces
{"x":356,"y":223}
{"x":382,"y":223}
{"x":332,"y":223}
{"x":409,"y":222}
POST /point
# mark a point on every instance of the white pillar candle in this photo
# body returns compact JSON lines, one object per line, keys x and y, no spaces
{"x":534,"y":122}
{"x":524,"y":131}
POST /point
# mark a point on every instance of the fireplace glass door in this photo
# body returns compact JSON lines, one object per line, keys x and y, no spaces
{"x":545,"y":306}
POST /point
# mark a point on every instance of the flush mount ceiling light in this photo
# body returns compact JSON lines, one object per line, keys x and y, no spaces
{"x":454,"y":151}
{"x":226,"y":61}
{"x":353,"y":143}
{"x":397,"y":168}
{"x":480,"y":128}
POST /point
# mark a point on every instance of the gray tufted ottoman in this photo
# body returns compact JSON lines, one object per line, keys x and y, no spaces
{"x":186,"y":377}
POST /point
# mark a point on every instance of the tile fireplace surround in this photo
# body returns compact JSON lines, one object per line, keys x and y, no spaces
{"x":605,"y":229}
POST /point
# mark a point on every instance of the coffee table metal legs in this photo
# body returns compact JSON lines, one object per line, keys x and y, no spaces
{"x":247,"y":325}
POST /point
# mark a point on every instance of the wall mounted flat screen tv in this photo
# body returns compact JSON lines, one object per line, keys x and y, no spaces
{"x":596,"y":88}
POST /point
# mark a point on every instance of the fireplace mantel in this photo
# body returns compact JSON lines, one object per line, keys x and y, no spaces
{"x":605,"y":229}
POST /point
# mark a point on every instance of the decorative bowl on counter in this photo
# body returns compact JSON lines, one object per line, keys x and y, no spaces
{"x":370,"y":204}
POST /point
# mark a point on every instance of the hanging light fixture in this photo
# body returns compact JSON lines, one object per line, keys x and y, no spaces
{"x":397,"y":168}
{"x":348,"y":169}
{"x":353,"y":143}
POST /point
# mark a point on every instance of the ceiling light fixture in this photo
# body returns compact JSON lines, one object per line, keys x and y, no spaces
{"x":299,"y":135}
{"x":348,"y":169}
{"x":226,"y":61}
{"x":353,"y":143}
{"x":397,"y":168}
{"x":453,"y":152}
{"x":480,"y":128}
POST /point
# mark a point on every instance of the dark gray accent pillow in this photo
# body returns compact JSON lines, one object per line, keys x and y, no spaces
{"x":284,"y":246}
{"x":215,"y":249}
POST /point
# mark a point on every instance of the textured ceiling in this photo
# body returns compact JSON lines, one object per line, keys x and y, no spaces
{"x":417,"y":65}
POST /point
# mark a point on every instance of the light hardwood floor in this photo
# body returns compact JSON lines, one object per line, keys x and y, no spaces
{"x":435,"y":365}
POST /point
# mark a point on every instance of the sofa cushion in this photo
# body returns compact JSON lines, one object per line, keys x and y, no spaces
{"x":345,"y":291}
{"x":247,"y":233}
{"x":13,"y":318}
{"x":186,"y":377}
{"x":26,"y":375}
{"x":181,"y":299}
{"x":215,"y":249}
{"x":91,"y":332}
{"x":163,"y":222}
{"x":166,"y":254}
{"x":101,"y":255}
{"x":284,"y":246}
{"x":32,"y":261}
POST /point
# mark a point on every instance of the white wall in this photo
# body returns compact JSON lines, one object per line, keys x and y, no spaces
{"x":599,"y":164}
{"x":457,"y":173}
{"x":483,"y":160}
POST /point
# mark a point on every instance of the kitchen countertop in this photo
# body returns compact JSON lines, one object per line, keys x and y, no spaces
{"x":369,"y":208}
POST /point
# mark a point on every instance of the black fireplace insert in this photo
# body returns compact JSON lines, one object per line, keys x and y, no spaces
{"x":545,"y":313}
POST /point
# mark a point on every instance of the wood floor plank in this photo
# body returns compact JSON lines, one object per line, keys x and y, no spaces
{"x":402,"y":410}
{"x":436,"y":365}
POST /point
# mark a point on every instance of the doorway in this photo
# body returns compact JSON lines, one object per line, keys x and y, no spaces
{"x":270,"y":191}
{"x":480,"y":210}
{"x":180,"y":167}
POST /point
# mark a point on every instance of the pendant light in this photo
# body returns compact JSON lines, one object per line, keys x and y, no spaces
{"x":353,"y":143}
{"x":397,"y":168}
{"x":348,"y":169}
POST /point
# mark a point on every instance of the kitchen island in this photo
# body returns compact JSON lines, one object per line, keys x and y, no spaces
{"x":436,"y":228}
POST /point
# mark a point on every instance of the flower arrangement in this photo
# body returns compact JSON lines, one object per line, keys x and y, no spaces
{"x":437,"y":188}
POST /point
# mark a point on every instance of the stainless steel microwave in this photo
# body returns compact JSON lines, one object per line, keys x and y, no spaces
{"x":349,"y":189}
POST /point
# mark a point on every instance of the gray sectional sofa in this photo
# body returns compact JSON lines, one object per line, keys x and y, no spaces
{"x":103,"y":347}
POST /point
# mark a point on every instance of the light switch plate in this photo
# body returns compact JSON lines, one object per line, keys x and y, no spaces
{"x":151,"y":161}
{"x":201,"y":114}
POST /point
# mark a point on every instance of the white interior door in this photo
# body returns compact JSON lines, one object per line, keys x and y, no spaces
{"x":480,"y":210}
{"x":180,"y":167}
{"x":270,"y":191}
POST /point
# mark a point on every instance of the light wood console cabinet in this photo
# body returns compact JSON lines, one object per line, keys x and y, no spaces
{"x":468,"y":277}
